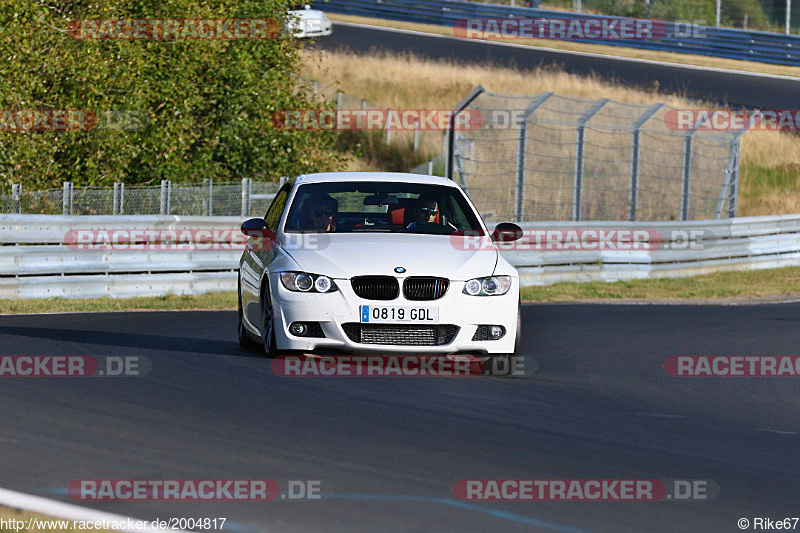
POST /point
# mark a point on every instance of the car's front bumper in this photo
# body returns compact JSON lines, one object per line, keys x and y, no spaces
{"x":333,"y":310}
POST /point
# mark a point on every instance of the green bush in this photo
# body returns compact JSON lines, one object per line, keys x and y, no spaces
{"x":205,"y":105}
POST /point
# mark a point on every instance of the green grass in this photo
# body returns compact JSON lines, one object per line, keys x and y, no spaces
{"x":773,"y":284}
{"x":171,"y":302}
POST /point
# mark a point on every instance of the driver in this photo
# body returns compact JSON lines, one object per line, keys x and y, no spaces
{"x":423,"y":212}
{"x":320,"y":213}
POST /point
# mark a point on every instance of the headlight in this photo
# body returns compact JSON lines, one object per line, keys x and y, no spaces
{"x":491,"y":286}
{"x":302,"y":282}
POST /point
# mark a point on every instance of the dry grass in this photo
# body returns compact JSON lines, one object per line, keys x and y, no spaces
{"x":618,"y":51}
{"x":770,"y":161}
{"x":38,"y":523}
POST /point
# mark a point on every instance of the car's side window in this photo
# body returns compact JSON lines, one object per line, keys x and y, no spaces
{"x":275,"y":210}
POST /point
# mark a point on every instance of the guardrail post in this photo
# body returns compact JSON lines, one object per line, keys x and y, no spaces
{"x":66,"y":198}
{"x":430,"y":167}
{"x":637,"y":127}
{"x":246,"y":187}
{"x":578,"y":188}
{"x":519,"y":193}
{"x":448,"y":151}
{"x":16,"y":196}
{"x":166,"y":189}
{"x":416,"y":136}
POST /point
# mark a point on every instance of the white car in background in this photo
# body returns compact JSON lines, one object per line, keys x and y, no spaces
{"x":309,"y":23}
{"x":378,"y":263}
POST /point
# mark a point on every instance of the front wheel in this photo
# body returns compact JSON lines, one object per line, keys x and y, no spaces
{"x":245,"y":342}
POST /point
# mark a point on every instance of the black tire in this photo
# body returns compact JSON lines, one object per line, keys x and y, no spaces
{"x":245,"y":342}
{"x":268,"y":327}
{"x":505,"y":364}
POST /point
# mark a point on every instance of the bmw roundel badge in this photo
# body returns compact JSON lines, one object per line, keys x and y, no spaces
{"x":399,"y":270}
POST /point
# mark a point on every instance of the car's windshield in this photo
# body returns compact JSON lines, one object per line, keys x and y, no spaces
{"x":351,"y":207}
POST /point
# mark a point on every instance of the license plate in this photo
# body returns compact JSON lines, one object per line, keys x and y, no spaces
{"x":381,"y":314}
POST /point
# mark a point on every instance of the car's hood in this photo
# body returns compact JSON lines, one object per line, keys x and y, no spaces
{"x":357,"y":254}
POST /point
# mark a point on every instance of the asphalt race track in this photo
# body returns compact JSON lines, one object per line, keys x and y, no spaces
{"x":600,"y":406}
{"x":752,"y":91}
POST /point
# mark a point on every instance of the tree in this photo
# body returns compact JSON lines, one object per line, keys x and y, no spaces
{"x":195,"y":108}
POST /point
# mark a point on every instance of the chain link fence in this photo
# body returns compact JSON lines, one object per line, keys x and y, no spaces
{"x":558,"y":158}
{"x":244,"y":199}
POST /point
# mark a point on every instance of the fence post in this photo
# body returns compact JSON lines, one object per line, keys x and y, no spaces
{"x":448,"y":150}
{"x":687,"y":171}
{"x":116,"y":202}
{"x":635,"y":145}
{"x":209,"y":203}
{"x":578,"y":191}
{"x":16,"y":196}
{"x":519,"y":193}
{"x":338,"y":108}
{"x":734,"y":185}
{"x":66,"y":198}
{"x":430,"y":167}
{"x":246,"y":185}
{"x":166,"y":189}
{"x":388,"y":129}
{"x":416,"y":136}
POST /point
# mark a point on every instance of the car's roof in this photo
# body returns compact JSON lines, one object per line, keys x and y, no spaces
{"x":324,"y":177}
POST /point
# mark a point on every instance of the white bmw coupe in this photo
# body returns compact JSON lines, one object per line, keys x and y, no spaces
{"x":308,"y":22}
{"x":380,"y":263}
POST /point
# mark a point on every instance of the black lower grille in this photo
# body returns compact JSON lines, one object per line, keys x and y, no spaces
{"x":400,"y":334}
{"x":419,"y":288}
{"x":376,"y":287}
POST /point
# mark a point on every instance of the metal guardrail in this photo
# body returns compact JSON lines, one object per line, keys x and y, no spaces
{"x":689,"y":248}
{"x":680,"y":37}
{"x":39,"y":259}
{"x":36,"y":262}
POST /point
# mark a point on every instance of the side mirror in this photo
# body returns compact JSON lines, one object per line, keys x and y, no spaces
{"x":254,"y":227}
{"x":507,"y":232}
